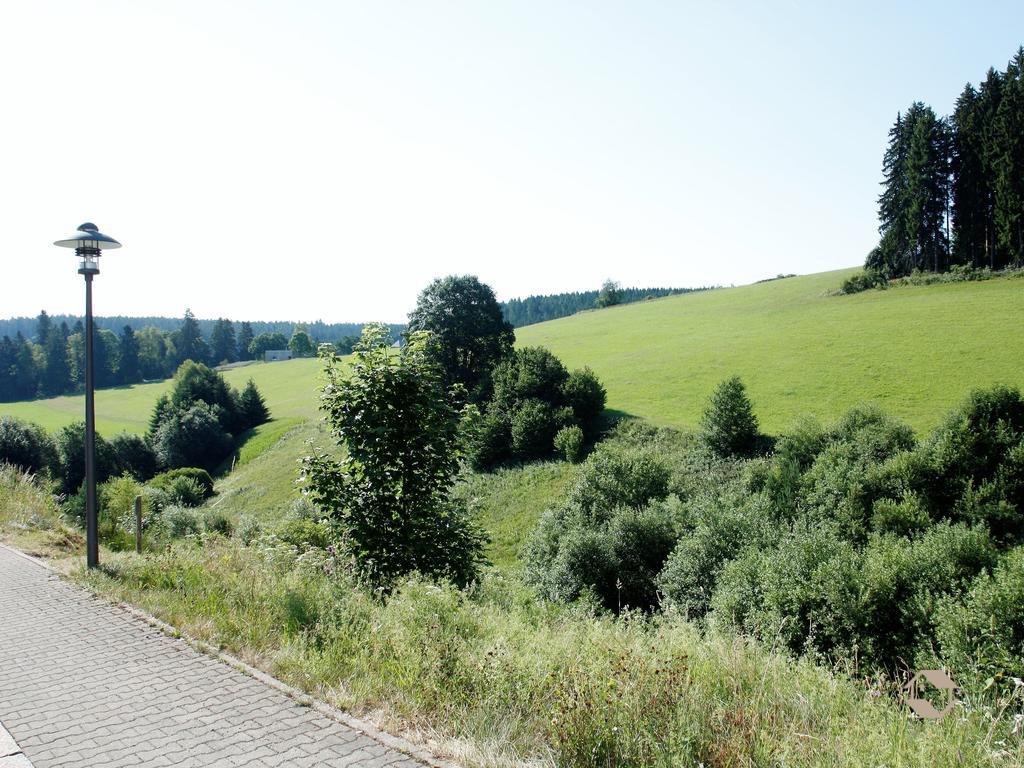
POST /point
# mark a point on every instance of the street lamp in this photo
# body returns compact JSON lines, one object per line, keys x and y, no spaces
{"x":88,"y":241}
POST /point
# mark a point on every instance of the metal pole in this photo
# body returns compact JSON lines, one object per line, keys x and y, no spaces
{"x":92,"y":550}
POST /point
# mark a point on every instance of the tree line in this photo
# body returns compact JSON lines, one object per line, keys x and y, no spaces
{"x":52,"y":360}
{"x":537,"y":309}
{"x":953,"y":187}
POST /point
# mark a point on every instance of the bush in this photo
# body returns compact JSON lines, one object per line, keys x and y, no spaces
{"x":134,"y":455}
{"x":71,"y":449}
{"x":201,"y":476}
{"x":490,"y":441}
{"x":217,"y":522}
{"x":569,"y":443}
{"x":533,"y":429}
{"x":531,"y":373}
{"x":193,"y":437}
{"x":179,"y":522}
{"x":304,"y":534}
{"x":729,"y":425}
{"x":583,"y":392}
{"x":619,"y":477}
{"x":185,"y":491}
{"x":248,"y":529}
{"x":982,"y":633}
{"x":863,"y":281}
{"x":28,"y":447}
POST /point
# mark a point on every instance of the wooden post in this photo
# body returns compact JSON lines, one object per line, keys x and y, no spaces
{"x":138,"y":524}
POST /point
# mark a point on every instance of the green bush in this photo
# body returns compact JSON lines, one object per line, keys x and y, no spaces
{"x":489,"y":441}
{"x":584,"y":393}
{"x":303,"y":533}
{"x":134,"y":455}
{"x":729,"y":425}
{"x":179,"y":522}
{"x":619,"y":477}
{"x":185,"y":491}
{"x":981,"y":635}
{"x":193,"y":437}
{"x":71,"y":449}
{"x":201,"y":476}
{"x":28,"y":447}
{"x":533,"y":429}
{"x":217,"y":522}
{"x":863,"y":281}
{"x":569,"y":443}
{"x":248,"y":529}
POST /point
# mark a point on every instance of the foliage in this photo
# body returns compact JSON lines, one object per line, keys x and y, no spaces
{"x":611,"y":538}
{"x":729,"y":424}
{"x":179,"y":522}
{"x":569,"y":443}
{"x":71,"y":450}
{"x":134,"y":455}
{"x":390,"y":494}
{"x":534,"y":397}
{"x":252,"y":408}
{"x":863,"y":281}
{"x":301,"y":344}
{"x":609,"y":295}
{"x":469,"y":336}
{"x":28,"y":447}
{"x":217,"y":523}
{"x":192,"y":437}
{"x":539,"y":309}
{"x":267,"y":341}
{"x":165,"y":480}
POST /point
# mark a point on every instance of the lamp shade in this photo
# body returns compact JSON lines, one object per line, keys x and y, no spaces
{"x":88,"y":236}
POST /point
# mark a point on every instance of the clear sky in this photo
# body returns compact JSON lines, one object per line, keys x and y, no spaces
{"x":310,"y":160}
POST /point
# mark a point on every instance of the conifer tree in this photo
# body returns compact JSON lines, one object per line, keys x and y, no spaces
{"x":56,"y":378}
{"x":222,"y":341}
{"x":245,"y":338}
{"x":128,"y":371}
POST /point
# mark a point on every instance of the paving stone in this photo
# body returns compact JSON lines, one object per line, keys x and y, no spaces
{"x":85,"y":683}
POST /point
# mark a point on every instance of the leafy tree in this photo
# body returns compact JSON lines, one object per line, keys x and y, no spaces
{"x":729,"y":424}
{"x":191,"y":437}
{"x":106,"y":351}
{"x":469,"y":334}
{"x":128,"y":369}
{"x":301,"y":344}
{"x":27,"y":446}
{"x":265,"y":341}
{"x":346,"y":344}
{"x":71,"y":450}
{"x":222,"y":341}
{"x":245,"y":337}
{"x":153,"y":353}
{"x":25,"y":370}
{"x":609,"y":295}
{"x":134,"y":456}
{"x":390,"y":496}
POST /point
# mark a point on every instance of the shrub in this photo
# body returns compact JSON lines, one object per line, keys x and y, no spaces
{"x":193,"y":437}
{"x":729,"y":425}
{"x":179,"y":522}
{"x":863,"y":281}
{"x":134,"y":455}
{"x":619,"y":477}
{"x":530,"y":373}
{"x":982,"y":633}
{"x":533,"y":429}
{"x":248,"y":529}
{"x":28,"y":447}
{"x":71,"y":449}
{"x":185,"y":491}
{"x":217,"y":522}
{"x":569,"y":443}
{"x":201,"y":476}
{"x":583,"y":392}
{"x":489,"y":439}
{"x":304,"y":533}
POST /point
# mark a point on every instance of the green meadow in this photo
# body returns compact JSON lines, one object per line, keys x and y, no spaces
{"x":914,"y":350}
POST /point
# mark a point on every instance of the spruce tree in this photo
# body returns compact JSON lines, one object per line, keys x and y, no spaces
{"x":43,"y":327}
{"x":1008,"y":170}
{"x":729,"y":425}
{"x":56,"y":378}
{"x":128,"y":371}
{"x":222,"y":342}
{"x":251,"y":406}
{"x":245,"y":338}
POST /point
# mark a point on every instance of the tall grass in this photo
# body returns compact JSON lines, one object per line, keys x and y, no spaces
{"x":495,"y":677}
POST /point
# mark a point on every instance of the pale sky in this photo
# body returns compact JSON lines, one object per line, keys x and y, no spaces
{"x":307,"y":160}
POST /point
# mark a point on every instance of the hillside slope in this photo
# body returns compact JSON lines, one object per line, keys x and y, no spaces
{"x":914,"y":350}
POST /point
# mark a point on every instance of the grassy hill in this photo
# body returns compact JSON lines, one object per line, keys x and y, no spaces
{"x":915,"y":351}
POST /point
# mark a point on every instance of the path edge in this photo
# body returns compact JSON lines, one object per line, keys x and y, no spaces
{"x":366,"y":728}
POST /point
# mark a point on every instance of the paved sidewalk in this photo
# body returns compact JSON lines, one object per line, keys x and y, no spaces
{"x":85,"y":683}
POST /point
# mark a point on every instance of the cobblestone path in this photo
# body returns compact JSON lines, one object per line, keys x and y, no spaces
{"x":85,"y":683}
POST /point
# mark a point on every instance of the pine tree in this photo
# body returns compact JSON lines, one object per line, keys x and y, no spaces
{"x":222,"y":342}
{"x":729,"y":425}
{"x":971,"y":187}
{"x":26,"y":370}
{"x":245,"y":338}
{"x":188,"y":341}
{"x":892,"y":201}
{"x":43,"y":327}
{"x":128,"y":368}
{"x":56,"y":377}
{"x":1008,"y":165}
{"x":252,"y":408}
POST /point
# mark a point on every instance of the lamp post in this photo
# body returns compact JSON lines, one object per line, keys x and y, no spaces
{"x":88,"y":242}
